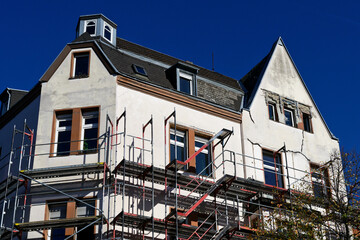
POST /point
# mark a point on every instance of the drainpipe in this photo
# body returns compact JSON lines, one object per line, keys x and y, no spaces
{"x":8,"y":104}
{"x":243,"y":147}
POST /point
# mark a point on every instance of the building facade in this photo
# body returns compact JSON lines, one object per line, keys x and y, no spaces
{"x":123,"y":142}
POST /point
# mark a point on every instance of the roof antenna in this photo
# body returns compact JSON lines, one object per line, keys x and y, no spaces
{"x":213,"y":68}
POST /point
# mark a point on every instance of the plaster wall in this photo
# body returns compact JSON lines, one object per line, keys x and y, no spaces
{"x":60,"y":92}
{"x":260,"y":132}
{"x":139,"y":109}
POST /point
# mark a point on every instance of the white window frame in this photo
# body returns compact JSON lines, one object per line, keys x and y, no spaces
{"x":179,"y":144}
{"x":187,"y":76}
{"x":60,"y":118}
{"x":87,"y":115}
{"x":80,"y":54}
{"x":86,"y":24}
{"x":273,"y":106}
{"x":205,"y":151}
{"x":292,"y":117}
{"x":111,"y":32}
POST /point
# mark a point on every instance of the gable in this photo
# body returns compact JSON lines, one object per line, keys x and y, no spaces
{"x":280,"y":75}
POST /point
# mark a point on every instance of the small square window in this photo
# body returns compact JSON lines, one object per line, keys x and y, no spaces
{"x":307,"y":122}
{"x":289,"y":117}
{"x":185,"y":83}
{"x":139,"y":70}
{"x":81,"y":65}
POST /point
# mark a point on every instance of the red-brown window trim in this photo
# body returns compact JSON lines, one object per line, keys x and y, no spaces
{"x":76,"y":128}
{"x":190,"y":134}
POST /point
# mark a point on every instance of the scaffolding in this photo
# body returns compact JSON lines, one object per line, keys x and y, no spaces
{"x":224,"y":202}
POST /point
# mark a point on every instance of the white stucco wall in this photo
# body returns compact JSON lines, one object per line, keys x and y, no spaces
{"x":260,"y":132}
{"x":60,"y":93}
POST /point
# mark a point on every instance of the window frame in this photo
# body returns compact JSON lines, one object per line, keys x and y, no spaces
{"x":71,"y":207}
{"x":135,"y":67}
{"x":275,"y":115}
{"x":73,"y":64}
{"x":187,"y":76}
{"x":77,"y":135}
{"x":191,"y":135}
{"x":292,"y":117}
{"x":87,"y":114}
{"x":63,"y":116}
{"x":206,"y":151}
{"x":275,"y":170}
{"x":310,"y":130}
{"x":184,"y":145}
{"x":86,"y":25}
{"x":325,"y":181}
{"x":110,"y":31}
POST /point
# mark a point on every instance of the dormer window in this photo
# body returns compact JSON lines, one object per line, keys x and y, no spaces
{"x":107,"y":32}
{"x":185,"y":82}
{"x":90,"y":27}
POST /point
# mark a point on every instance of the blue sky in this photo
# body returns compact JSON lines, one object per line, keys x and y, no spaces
{"x":322,"y":36}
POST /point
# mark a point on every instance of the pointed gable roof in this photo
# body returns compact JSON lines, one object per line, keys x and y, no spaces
{"x":252,"y":80}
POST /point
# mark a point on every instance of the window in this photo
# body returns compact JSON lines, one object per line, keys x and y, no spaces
{"x":90,"y":131}
{"x":320,"y":181}
{"x":107,"y":32}
{"x":68,"y":210}
{"x":272,"y":112}
{"x":273,"y":169}
{"x":57,"y":211}
{"x":185,"y":82}
{"x":181,"y":145}
{"x":289,"y":117}
{"x":139,"y":70}
{"x":80,"y":66}
{"x":90,"y":27}
{"x":307,"y":122}
{"x":187,"y":143}
{"x":203,"y":161}
{"x":63,"y":134}
{"x":75,"y":131}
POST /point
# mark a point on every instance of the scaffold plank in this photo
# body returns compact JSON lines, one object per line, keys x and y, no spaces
{"x":64,"y":171}
{"x":57,"y":223}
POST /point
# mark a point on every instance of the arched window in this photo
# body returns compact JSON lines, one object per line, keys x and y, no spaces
{"x":107,"y":33}
{"x":90,"y":27}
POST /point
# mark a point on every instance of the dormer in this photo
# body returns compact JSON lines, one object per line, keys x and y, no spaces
{"x":183,"y":77}
{"x":97,"y":26}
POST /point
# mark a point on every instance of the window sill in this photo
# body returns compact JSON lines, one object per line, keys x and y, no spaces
{"x":79,"y":77}
{"x":75,"y":153}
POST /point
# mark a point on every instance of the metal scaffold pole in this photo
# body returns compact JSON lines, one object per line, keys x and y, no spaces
{"x":8,"y":177}
{"x":173,"y":114}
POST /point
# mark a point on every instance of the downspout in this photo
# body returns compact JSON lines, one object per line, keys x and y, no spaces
{"x":8,"y":104}
{"x":243,"y":147}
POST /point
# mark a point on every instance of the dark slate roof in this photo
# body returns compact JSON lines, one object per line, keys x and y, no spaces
{"x":218,"y":89}
{"x":15,"y":95}
{"x":251,"y":79}
{"x":138,"y":49}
